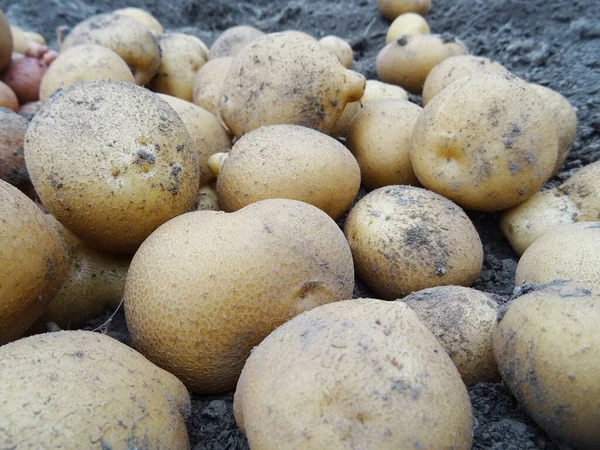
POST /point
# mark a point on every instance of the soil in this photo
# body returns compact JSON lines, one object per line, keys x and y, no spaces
{"x":554,"y":43}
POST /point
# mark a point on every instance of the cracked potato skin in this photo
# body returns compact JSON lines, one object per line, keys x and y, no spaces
{"x":355,"y":374}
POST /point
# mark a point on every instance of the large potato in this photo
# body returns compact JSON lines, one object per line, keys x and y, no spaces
{"x":547,"y":346}
{"x":32,"y":264}
{"x":143,"y":17}
{"x":232,"y":41}
{"x":405,"y":239}
{"x":6,"y":42}
{"x":390,"y":9}
{"x":111,"y":161}
{"x":12,"y":135}
{"x":358,"y":374}
{"x":206,"y":287}
{"x":83,"y":390}
{"x":287,"y":78}
{"x":288,"y":161}
{"x":208,"y":82}
{"x":497,"y":152}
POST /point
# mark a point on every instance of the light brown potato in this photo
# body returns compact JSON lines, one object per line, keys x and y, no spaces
{"x":287,"y":78}
{"x":356,"y":374}
{"x":208,"y":82}
{"x":182,"y":56}
{"x":83,"y":63}
{"x":125,"y":36}
{"x":206,"y":287}
{"x":379,"y":138}
{"x":405,"y":239}
{"x":390,"y":9}
{"x":338,"y":48}
{"x":232,"y":40}
{"x":32,"y":264}
{"x":547,"y":346}
{"x":405,"y":25}
{"x":30,"y":109}
{"x":8,"y":99}
{"x":288,"y":161}
{"x":12,"y":135}
{"x":463,"y":321}
{"x":207,"y":199}
{"x":456,"y":68}
{"x":6,"y":42}
{"x":376,"y":90}
{"x":496,"y":153}
{"x":139,"y":168}
{"x":143,"y":17}
{"x":408,"y":60}
{"x":87,"y":390}
{"x":569,"y":252}
{"x":20,"y":39}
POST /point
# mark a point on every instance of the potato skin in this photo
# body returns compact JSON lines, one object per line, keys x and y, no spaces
{"x":6,"y":42}
{"x":208,"y":82}
{"x":12,"y":135}
{"x":547,"y":346}
{"x":353,"y":374}
{"x":32,"y":263}
{"x":288,"y":161}
{"x":376,"y":90}
{"x":8,"y":98}
{"x":232,"y":41}
{"x":390,"y":9}
{"x":112,"y":162}
{"x":208,"y":286}
{"x":87,"y":390}
{"x":406,"y":24}
{"x":143,"y":17}
{"x":339,"y":48}
{"x":405,"y":239}
{"x":496,"y":153}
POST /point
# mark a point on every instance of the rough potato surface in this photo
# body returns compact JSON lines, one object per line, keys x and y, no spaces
{"x":12,"y":136}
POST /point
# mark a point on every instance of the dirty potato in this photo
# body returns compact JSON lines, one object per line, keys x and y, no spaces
{"x":232,"y":40}
{"x":208,"y":83}
{"x":339,"y":48}
{"x":12,"y":136}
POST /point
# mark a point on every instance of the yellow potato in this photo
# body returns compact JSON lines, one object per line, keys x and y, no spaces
{"x":20,"y":39}
{"x":405,"y":25}
{"x":208,"y":82}
{"x":376,"y":90}
{"x":390,"y":9}
{"x":35,"y":37}
{"x":341,"y":126}
{"x":6,"y":42}
{"x":232,"y":40}
{"x":143,"y":17}
{"x":339,"y":48}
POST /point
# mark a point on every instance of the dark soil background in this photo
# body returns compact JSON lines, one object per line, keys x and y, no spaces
{"x":551,"y":42}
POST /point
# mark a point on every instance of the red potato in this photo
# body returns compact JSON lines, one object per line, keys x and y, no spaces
{"x":24,"y":76}
{"x":8,"y":99}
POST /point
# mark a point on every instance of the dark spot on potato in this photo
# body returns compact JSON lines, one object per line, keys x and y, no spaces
{"x":447,"y":38}
{"x":402,"y":40}
{"x":51,"y":270}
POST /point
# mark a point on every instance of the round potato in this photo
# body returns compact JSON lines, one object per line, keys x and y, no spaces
{"x":20,"y":39}
{"x":208,"y":83}
{"x":405,"y":25}
{"x":287,"y":78}
{"x":6,"y":42}
{"x":112,"y":161}
{"x":547,"y":346}
{"x":496,"y":153}
{"x":408,"y":60}
{"x":338,"y":48}
{"x":379,"y":138}
{"x":390,"y":9}
{"x":463,"y":321}
{"x":83,"y":63}
{"x":232,"y":40}
{"x":354,"y":374}
{"x":288,"y":161}
{"x":125,"y":36}
{"x":207,"y":286}
{"x":456,"y":68}
{"x":32,"y":264}
{"x":8,"y":98}
{"x":405,"y":239}
{"x":143,"y":17}
{"x":87,"y":390}
{"x":12,"y":135}
{"x":376,"y":90}
{"x":35,"y":37}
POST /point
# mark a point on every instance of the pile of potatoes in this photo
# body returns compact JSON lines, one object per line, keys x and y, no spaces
{"x":199,"y":187}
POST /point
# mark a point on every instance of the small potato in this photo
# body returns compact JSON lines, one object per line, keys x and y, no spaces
{"x":379,"y":138}
{"x":182,"y":56}
{"x":390,"y":9}
{"x":454,"y":69}
{"x":12,"y":135}
{"x":208,"y":83}
{"x":29,"y":109}
{"x":24,"y":76}
{"x":288,"y":161}
{"x":8,"y":99}
{"x":125,"y":36}
{"x":408,"y":60}
{"x":338,"y":48}
{"x":569,"y":252}
{"x":405,"y":25}
{"x":405,"y":239}
{"x":207,"y":199}
{"x":497,"y":152}
{"x":232,"y":40}
{"x":86,"y":390}
{"x":547,"y":346}
{"x":83,"y":63}
{"x":357,"y":374}
{"x":6,"y":42}
{"x":35,"y":37}
{"x":376,"y":90}
{"x":143,"y":17}
{"x":20,"y":39}
{"x":463,"y":321}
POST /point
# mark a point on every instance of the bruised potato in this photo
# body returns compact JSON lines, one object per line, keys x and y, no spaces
{"x":12,"y":136}
{"x":143,"y":17}
{"x":208,"y":82}
{"x":6,"y":42}
{"x":376,"y":90}
{"x":405,"y":25}
{"x":390,"y":9}
{"x":232,"y":40}
{"x":339,"y":48}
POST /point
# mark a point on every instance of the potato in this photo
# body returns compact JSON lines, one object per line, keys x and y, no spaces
{"x":565,"y":120}
{"x":405,"y":25}
{"x":286,"y":78}
{"x":405,"y":239}
{"x":207,"y":199}
{"x":454,"y":69}
{"x":390,"y":9}
{"x":182,"y":56}
{"x":143,"y":17}
{"x":288,"y":161}
{"x":6,"y":42}
{"x":208,"y":82}
{"x":24,"y":76}
{"x":341,"y":126}
{"x":232,"y":40}
{"x":35,"y":37}
{"x":356,"y":374}
{"x":8,"y":99}
{"x":205,"y":129}
{"x":376,"y":90}
{"x":125,"y":36}
{"x":207,"y":286}
{"x":29,"y":109}
{"x":111,"y":161}
{"x":547,"y":346}
{"x":32,"y":265}
{"x":338,"y":48}
{"x":83,"y":63}
{"x":12,"y":134}
{"x":379,"y":138}
{"x":78,"y":389}
{"x":496,"y":153}
{"x":463,"y":321}
{"x":20,"y":39}
{"x":569,"y":252}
